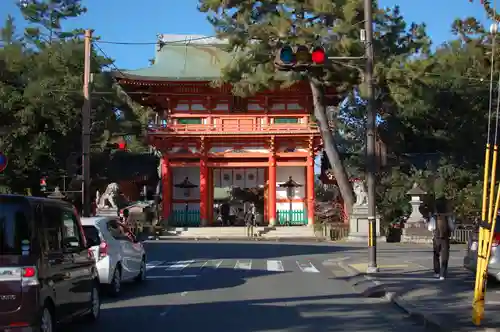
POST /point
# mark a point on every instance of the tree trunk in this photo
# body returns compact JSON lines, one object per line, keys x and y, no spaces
{"x":330,"y":146}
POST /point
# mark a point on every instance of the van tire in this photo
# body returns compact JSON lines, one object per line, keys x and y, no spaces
{"x":94,"y":311}
{"x":115,"y":286}
{"x":47,"y":319}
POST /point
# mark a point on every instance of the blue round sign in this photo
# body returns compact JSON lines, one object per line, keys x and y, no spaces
{"x":3,"y":162}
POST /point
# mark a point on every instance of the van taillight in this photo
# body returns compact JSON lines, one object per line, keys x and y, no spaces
{"x":18,"y":324}
{"x":29,"y":272}
{"x":29,"y":276}
{"x":103,"y":249}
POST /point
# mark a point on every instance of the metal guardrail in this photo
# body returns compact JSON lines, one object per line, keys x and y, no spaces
{"x":331,"y":232}
{"x":461,"y":235}
{"x":339,"y":232}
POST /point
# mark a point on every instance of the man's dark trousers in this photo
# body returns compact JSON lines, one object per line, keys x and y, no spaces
{"x":441,"y":247}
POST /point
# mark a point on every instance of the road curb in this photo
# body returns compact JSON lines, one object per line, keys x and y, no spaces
{"x":374,"y":288}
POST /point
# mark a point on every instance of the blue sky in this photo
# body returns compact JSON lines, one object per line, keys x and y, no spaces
{"x":141,"y":21}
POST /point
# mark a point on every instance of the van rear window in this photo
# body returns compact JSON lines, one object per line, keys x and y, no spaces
{"x":15,"y":228}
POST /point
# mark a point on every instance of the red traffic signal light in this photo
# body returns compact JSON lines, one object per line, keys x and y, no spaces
{"x":122,"y":145}
{"x":43,"y":184}
{"x":318,"y":56}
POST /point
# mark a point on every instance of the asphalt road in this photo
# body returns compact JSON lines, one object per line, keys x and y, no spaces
{"x":243,"y":287}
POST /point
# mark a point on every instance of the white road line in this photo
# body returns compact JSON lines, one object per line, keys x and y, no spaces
{"x":179,"y":265}
{"x":204,"y":264}
{"x":243,"y":265}
{"x":335,"y":261}
{"x":218,"y":263}
{"x":173,"y":277}
{"x":153,"y":264}
{"x":276,"y":266}
{"x":307,"y":267}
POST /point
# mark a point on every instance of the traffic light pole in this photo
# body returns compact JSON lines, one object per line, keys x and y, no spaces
{"x":371,"y":166}
{"x":86,"y":110}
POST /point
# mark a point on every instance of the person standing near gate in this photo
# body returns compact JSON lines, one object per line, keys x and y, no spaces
{"x":250,"y":219}
{"x":442,"y":225}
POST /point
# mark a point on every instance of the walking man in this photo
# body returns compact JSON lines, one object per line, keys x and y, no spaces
{"x":442,"y":225}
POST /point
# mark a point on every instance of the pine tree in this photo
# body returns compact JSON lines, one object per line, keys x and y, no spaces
{"x":46,"y":18}
{"x":256,"y":29}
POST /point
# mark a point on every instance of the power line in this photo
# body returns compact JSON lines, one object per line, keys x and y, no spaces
{"x":158,"y":42}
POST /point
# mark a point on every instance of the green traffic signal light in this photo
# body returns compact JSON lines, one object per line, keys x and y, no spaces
{"x":287,"y":55}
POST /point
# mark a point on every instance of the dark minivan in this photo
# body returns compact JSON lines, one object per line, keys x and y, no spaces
{"x":47,"y":274}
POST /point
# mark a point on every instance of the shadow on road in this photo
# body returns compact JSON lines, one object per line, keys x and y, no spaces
{"x":227,"y":250}
{"x":315,"y":313}
{"x":187,"y":280}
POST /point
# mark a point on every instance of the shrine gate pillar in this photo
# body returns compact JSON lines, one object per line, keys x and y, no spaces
{"x":166,"y":182}
{"x":204,"y":192}
{"x":310,"y":189}
{"x":271,"y":189}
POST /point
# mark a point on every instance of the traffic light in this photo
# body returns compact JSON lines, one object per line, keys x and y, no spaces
{"x":121,"y":146}
{"x":300,"y":58}
{"x":43,"y":184}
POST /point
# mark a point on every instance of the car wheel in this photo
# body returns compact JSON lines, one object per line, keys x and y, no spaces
{"x":142,"y":273}
{"x":95,"y":304}
{"x":116,"y":283}
{"x":46,"y":320}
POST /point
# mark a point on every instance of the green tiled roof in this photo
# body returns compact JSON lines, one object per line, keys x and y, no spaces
{"x":182,"y":62}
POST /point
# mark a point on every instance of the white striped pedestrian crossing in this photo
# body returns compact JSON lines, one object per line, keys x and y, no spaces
{"x":276,"y":266}
{"x":270,"y":265}
{"x":307,"y":267}
{"x":181,"y":265}
{"x":153,"y":264}
{"x":243,"y":265}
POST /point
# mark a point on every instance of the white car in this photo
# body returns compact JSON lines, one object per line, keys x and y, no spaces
{"x":118,"y":257}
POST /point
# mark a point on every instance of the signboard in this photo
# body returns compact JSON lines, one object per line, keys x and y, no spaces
{"x":3,"y":162}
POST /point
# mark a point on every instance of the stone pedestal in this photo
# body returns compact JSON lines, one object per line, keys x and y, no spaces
{"x":416,"y":232}
{"x":358,"y":225}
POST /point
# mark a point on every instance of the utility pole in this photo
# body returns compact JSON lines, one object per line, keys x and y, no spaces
{"x":86,"y":126}
{"x":371,"y":166}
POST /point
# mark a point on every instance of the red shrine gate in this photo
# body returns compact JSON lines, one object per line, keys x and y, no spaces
{"x":210,"y":140}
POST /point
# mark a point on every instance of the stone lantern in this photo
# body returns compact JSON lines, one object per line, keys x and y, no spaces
{"x":416,"y":193}
{"x":187,"y":187}
{"x":291,"y":185}
{"x":415,"y":229}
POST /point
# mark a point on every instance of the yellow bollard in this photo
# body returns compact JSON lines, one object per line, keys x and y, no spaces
{"x":485,"y":236}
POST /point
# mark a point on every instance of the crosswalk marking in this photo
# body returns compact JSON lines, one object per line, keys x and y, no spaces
{"x":243,"y":265}
{"x":153,"y":264}
{"x":307,"y":267}
{"x":271,"y":265}
{"x":276,"y":266}
{"x":173,"y":277}
{"x":180,"y":265}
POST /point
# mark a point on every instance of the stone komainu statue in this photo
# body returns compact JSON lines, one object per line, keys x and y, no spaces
{"x":360,"y":192}
{"x":108,"y":198}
